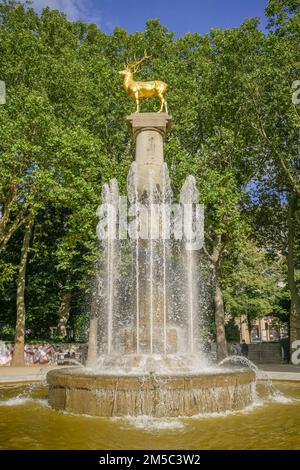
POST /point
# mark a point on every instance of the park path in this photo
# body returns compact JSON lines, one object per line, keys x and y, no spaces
{"x":282,"y":372}
{"x":25,"y":374}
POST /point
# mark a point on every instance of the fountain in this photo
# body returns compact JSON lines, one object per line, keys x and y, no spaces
{"x":145,"y":348}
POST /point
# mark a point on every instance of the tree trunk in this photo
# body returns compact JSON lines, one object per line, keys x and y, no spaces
{"x":6,"y":236}
{"x":7,"y":205}
{"x":222,"y":351}
{"x":249,"y":324}
{"x":93,"y":330}
{"x":63,"y":314}
{"x":18,"y":354}
{"x":215,"y":257}
{"x":7,"y":226}
{"x":292,"y":284}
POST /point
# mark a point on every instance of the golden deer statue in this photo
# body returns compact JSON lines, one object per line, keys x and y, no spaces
{"x":140,"y":90}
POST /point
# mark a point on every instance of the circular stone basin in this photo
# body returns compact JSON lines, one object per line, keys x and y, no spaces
{"x":81,"y":391}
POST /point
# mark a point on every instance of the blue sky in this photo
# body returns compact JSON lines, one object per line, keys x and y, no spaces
{"x":180,"y":16}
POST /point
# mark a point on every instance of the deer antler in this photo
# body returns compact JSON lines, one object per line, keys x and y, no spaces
{"x":135,"y":65}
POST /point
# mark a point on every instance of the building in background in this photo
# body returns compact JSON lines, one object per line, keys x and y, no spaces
{"x":265,"y":329}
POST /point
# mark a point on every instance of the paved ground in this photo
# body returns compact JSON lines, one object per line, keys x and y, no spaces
{"x":25,"y":374}
{"x":283,"y":372}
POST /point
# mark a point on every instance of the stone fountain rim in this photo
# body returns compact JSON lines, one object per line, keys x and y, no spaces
{"x":89,"y":373}
{"x":165,"y":395}
{"x":75,"y":378}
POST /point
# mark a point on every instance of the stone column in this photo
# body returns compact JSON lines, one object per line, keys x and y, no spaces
{"x":149,"y":131}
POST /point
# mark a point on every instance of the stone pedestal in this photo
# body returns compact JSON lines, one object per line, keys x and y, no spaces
{"x":149,"y":131}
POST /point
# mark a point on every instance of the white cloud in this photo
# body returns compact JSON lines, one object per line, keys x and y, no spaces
{"x":74,"y":9}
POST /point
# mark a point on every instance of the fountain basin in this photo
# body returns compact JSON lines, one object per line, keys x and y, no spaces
{"x":82,"y":391}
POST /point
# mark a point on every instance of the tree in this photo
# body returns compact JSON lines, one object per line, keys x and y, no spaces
{"x":276,"y":119}
{"x":44,"y":156}
{"x":252,"y":284}
{"x":18,"y":354}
